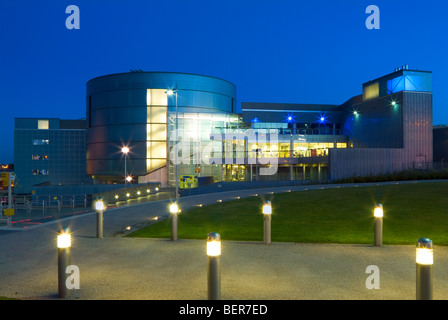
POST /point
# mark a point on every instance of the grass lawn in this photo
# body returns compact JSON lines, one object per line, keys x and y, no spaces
{"x":344,"y":215}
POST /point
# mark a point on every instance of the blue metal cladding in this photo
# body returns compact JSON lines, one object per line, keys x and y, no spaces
{"x":116,"y":112}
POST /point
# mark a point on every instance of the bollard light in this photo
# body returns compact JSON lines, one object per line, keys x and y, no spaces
{"x":116,"y":197}
{"x":174,"y":210}
{"x":378,"y":211}
{"x":64,"y":243}
{"x":378,"y":232}
{"x":64,"y":238}
{"x":213,"y":244}
{"x":99,"y":207}
{"x":267,"y":213}
{"x":267,"y":208}
{"x":214,"y":266}
{"x":424,"y":259}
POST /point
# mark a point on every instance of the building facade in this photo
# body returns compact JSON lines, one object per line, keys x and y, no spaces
{"x":148,"y":112}
{"x":190,"y":120}
{"x":183,"y":128}
{"x":49,"y":151}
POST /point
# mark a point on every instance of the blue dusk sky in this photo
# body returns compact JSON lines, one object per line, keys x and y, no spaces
{"x":285,"y":51}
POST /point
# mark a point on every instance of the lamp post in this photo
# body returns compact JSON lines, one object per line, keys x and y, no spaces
{"x":170,"y":92}
{"x":125,"y":150}
{"x":267,"y":213}
{"x":99,"y":207}
{"x":64,"y":243}
{"x":424,"y":261}
{"x":214,"y":266}
{"x":378,"y":214}
{"x":174,"y":210}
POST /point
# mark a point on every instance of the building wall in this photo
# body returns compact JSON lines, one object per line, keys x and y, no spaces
{"x":51,"y":155}
{"x":405,"y":143}
{"x":440,"y":144}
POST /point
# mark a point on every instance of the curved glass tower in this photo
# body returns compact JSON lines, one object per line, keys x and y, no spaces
{"x":140,"y":111}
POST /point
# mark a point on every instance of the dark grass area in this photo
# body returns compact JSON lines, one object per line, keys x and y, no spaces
{"x":344,"y":215}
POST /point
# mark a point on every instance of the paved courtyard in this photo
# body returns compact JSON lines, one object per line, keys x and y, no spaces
{"x":122,"y":268}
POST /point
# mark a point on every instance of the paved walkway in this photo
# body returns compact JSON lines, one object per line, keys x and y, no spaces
{"x":127,"y":268}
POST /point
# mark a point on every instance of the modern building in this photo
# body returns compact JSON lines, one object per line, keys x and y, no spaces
{"x":49,"y":151}
{"x":141,"y":111}
{"x":388,"y":127}
{"x":154,"y":126}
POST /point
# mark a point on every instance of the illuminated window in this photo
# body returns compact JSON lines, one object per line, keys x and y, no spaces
{"x":371,"y":91}
{"x":40,"y":142}
{"x":410,"y":82}
{"x":39,"y":157}
{"x":40,"y":172}
{"x":42,"y":124}
{"x":156,"y":131}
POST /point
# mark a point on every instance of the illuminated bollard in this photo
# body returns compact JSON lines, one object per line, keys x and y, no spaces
{"x":378,"y":214}
{"x":424,"y":260}
{"x":99,"y":207}
{"x":174,"y":210}
{"x":64,"y":243}
{"x":214,"y":266}
{"x":267,"y":213}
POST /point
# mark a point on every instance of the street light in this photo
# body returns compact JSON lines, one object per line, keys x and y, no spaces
{"x":378,"y":214}
{"x":174,"y":210}
{"x":170,"y":92}
{"x":64,"y":243}
{"x":267,"y":213}
{"x":125,"y":150}
{"x":214,"y":266}
{"x":424,"y":259}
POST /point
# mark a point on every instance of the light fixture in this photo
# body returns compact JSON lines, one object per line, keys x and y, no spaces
{"x":213,"y":244}
{"x":64,"y":239}
{"x":214,"y":266}
{"x":99,"y":205}
{"x":378,"y":211}
{"x":424,"y":252}
{"x":174,"y":208}
{"x":424,"y":258}
{"x":125,"y":150}
{"x":267,"y":208}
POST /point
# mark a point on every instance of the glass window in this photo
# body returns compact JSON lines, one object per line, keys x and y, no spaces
{"x":40,"y":172}
{"x":39,"y":157}
{"x":42,"y":124}
{"x":371,"y":91}
{"x":39,"y":142}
